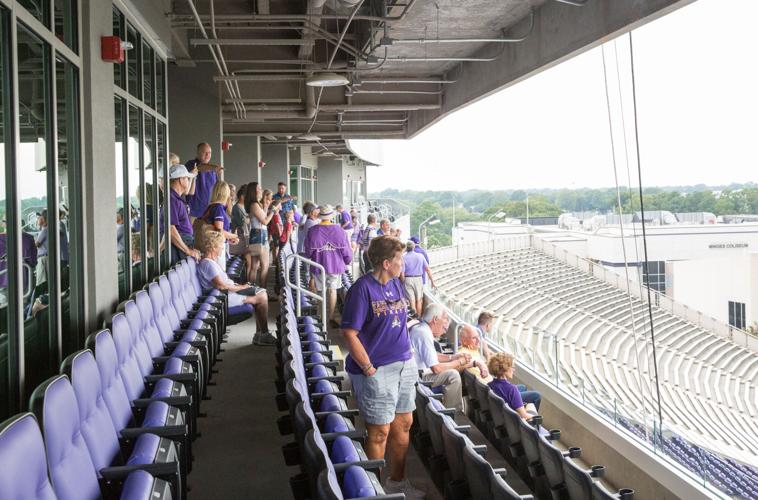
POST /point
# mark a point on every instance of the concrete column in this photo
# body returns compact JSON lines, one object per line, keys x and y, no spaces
{"x":98,"y":167}
{"x":194,"y":111}
{"x":330,"y":181}
{"x":241,"y":161}
{"x":277,"y":160}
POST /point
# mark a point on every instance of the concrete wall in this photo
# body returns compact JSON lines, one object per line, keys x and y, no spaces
{"x":99,"y":168}
{"x":277,"y":161}
{"x":241,"y":161}
{"x":194,"y":111}
{"x":329,"y":181}
{"x":709,"y":284}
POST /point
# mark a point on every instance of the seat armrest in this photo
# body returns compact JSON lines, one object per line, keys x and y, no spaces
{"x":501,"y":472}
{"x":339,"y":394}
{"x":178,"y":377}
{"x":364,"y":464}
{"x":121,"y":471}
{"x":344,"y":413}
{"x":481,"y":449}
{"x":355,"y":434}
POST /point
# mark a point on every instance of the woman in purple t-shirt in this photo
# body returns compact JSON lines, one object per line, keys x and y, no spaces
{"x":380,"y":365}
{"x":217,"y":215}
{"x":501,"y":368}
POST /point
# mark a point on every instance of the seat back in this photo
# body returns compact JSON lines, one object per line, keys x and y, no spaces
{"x":172,"y":298}
{"x":600,"y":492}
{"x":479,"y":474}
{"x":356,"y":483}
{"x":140,"y":349}
{"x":343,"y":451}
{"x":328,"y":487}
{"x":160,"y":300}
{"x":454,"y":443}
{"x":501,"y":490}
{"x":96,"y":422}
{"x":552,"y":461}
{"x":179,"y":291}
{"x":422,"y":399}
{"x":150,"y":332}
{"x":23,"y":469}
{"x":112,"y":385}
{"x":496,"y":404}
{"x":482,"y":392}
{"x":529,"y":439}
{"x":512,"y":425}
{"x":578,"y":480}
{"x":434,"y":418}
{"x":128,"y":365}
{"x":72,"y":471}
{"x":316,"y":456}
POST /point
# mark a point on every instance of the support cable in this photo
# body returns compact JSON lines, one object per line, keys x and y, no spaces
{"x":644,"y":236}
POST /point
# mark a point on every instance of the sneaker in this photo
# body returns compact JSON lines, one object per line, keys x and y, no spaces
{"x":265,"y":339}
{"x":403,"y":486}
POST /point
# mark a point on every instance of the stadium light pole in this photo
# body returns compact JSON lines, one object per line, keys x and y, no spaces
{"x":431,"y":220}
{"x":497,"y":215}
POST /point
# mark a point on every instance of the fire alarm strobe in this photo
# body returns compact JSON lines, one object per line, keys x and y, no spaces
{"x":261,"y":164}
{"x":226,"y":145}
{"x":112,"y":49}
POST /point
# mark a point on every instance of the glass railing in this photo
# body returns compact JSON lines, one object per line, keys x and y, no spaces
{"x":549,"y":355}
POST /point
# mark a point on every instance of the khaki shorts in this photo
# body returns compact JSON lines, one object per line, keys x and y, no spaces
{"x":414,"y":288}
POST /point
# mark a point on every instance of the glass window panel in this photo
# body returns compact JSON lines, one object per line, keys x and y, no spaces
{"x":134,"y":73}
{"x":136,"y":197}
{"x":31,"y":170}
{"x":40,"y":9}
{"x":67,"y":82}
{"x":148,"y":155}
{"x":5,"y":115}
{"x":162,"y":174}
{"x":148,"y":78}
{"x":160,"y":85}
{"x":66,"y":22}
{"x":123,"y":264}
{"x":119,"y":31}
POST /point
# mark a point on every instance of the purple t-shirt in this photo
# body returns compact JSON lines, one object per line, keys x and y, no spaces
{"x":179,"y":215}
{"x":508,"y":392}
{"x":28,"y":254}
{"x":327,"y":244}
{"x":347,"y":221}
{"x":379,"y":313}
{"x":414,"y":264}
{"x":217,"y":212}
{"x":204,"y":183}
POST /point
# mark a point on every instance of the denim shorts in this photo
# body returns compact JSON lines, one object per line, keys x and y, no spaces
{"x":258,"y":236}
{"x":389,"y":391}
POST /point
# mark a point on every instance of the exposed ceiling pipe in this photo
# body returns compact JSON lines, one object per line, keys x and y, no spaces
{"x":248,"y":41}
{"x":257,"y":78}
{"x":347,"y":108}
{"x":229,"y":86}
{"x":235,"y":85}
{"x":422,"y":92}
{"x":400,"y":81}
{"x":357,"y":135}
{"x":282,"y":100}
{"x":449,"y":59}
{"x":504,"y":39}
{"x":314,"y":9}
{"x":575,"y":3}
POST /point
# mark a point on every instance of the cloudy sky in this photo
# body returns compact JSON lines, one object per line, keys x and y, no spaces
{"x":697,"y":97}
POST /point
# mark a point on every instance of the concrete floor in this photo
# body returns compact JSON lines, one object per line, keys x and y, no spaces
{"x":239,"y":454}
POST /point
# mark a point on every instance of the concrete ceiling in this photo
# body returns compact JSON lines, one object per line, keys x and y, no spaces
{"x":409,"y":62}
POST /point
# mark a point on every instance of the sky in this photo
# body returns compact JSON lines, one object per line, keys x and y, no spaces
{"x":697,"y":79}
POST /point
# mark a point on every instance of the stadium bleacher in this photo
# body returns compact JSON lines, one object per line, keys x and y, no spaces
{"x":580,"y":331}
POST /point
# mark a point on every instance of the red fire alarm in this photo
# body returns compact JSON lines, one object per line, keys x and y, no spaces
{"x":226,"y":145}
{"x":261,"y":164}
{"x":112,"y":49}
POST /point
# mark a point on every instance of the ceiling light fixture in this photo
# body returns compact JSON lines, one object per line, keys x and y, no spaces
{"x":326,"y":80}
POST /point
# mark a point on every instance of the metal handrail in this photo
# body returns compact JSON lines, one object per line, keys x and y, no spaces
{"x":299,"y":289}
{"x":29,"y":281}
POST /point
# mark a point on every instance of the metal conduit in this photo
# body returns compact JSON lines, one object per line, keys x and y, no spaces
{"x":575,"y":3}
{"x":250,"y":41}
{"x":229,"y":86}
{"x":424,"y":92}
{"x":405,"y":41}
{"x":235,"y":85}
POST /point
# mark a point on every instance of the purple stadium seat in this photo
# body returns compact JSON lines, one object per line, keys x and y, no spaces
{"x":356,"y":483}
{"x":23,"y":469}
{"x":344,"y":451}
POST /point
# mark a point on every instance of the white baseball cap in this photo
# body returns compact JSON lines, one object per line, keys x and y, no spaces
{"x":178,"y":171}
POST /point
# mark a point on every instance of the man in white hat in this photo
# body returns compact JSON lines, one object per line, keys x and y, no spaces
{"x":182,"y":239}
{"x":327,"y":244}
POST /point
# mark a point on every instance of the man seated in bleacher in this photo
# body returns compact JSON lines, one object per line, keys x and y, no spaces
{"x":210,"y":275}
{"x":473,"y":345}
{"x":439,"y":369}
{"x":501,"y":367}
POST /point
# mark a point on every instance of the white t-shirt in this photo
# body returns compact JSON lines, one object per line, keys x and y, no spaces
{"x":207,"y":270}
{"x":422,"y":342}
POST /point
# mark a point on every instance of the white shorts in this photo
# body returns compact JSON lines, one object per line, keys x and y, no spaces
{"x":333,"y":281}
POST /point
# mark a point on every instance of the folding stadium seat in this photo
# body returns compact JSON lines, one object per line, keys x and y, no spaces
{"x":482,"y":478}
{"x":599,"y":492}
{"x":455,"y":443}
{"x":469,"y":387}
{"x":23,"y":470}
{"x":579,"y":480}
{"x":188,"y":272}
{"x":24,"y":473}
{"x":420,"y":429}
{"x":499,"y":432}
{"x":184,"y":369}
{"x":485,"y":422}
{"x":530,"y":436}
{"x":127,"y":373}
{"x":342,"y":455}
{"x":171,"y":328}
{"x":192,"y":347}
{"x":161,"y":420}
{"x":196,"y":304}
{"x":435,"y":416}
{"x":70,"y":460}
{"x":552,"y":461}
{"x":193,"y":320}
{"x":515,"y":446}
{"x":356,"y":483}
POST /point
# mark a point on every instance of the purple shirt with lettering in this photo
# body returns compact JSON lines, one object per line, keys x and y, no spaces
{"x":508,"y":392}
{"x":217,"y":212}
{"x":379,"y":313}
{"x":327,"y":244}
{"x":179,"y":215}
{"x":204,"y":183}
